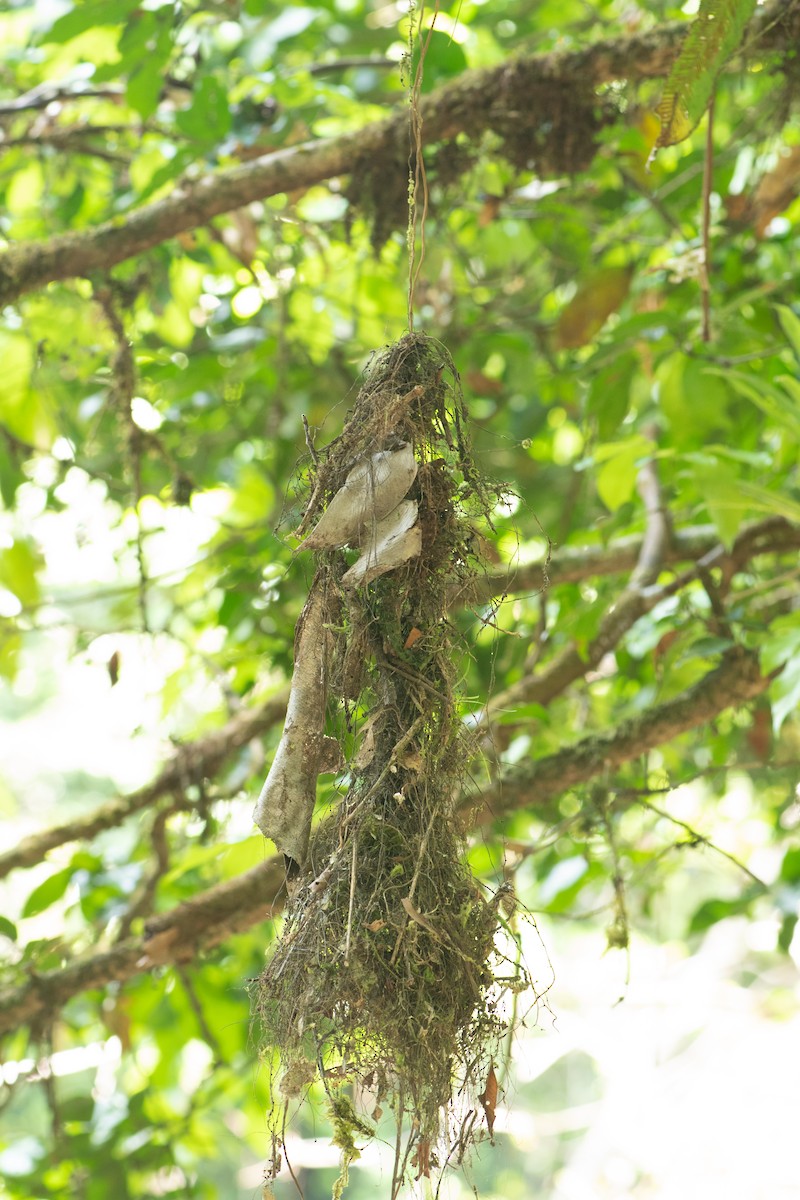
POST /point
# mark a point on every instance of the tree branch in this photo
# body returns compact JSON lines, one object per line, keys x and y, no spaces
{"x":194,"y":761}
{"x":47,"y":93}
{"x":637,"y":599}
{"x":571,"y":664}
{"x":231,"y":907}
{"x":570,"y":565}
{"x":735,"y":681}
{"x":574,"y":564}
{"x":504,"y":99}
{"x":174,"y":937}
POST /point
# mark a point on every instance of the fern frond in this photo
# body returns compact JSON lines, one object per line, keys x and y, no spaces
{"x":713,"y":38}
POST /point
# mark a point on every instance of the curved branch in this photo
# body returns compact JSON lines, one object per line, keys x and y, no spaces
{"x":640,"y":597}
{"x":572,"y":664}
{"x":231,"y":907}
{"x":735,"y":681}
{"x":189,"y":763}
{"x":174,"y":937}
{"x":480,"y":100}
{"x":570,"y":565}
{"x":574,"y":564}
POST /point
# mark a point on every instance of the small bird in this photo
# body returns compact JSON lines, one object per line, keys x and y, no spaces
{"x":373,"y":488}
{"x":390,"y":543}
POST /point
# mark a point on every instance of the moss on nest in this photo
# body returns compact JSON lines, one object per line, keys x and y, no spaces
{"x":383,"y":974}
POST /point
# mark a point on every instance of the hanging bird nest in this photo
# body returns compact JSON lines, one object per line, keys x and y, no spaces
{"x":384,"y":973}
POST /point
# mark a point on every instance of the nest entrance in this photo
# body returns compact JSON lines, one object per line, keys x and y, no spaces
{"x":383,"y":976}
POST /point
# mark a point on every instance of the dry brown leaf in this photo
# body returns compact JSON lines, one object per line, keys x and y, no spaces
{"x":118,"y":1022}
{"x":410,"y":759}
{"x":366,"y":749}
{"x":488,"y":1099}
{"x":412,"y":638}
{"x":112,"y":666}
{"x":663,"y":645}
{"x":759,"y":735}
{"x":777,"y":189}
{"x":417,"y":916}
{"x":483,"y":385}
{"x":374,"y":926}
{"x":490,"y":210}
{"x":422,"y":1159}
{"x":242,"y":236}
{"x":596,"y":299}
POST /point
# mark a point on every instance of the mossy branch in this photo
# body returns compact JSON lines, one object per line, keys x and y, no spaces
{"x":504,"y":99}
{"x":238,"y":904}
{"x":572,"y":564}
{"x":187,"y":764}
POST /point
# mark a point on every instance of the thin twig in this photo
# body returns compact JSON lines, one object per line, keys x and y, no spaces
{"x":413,"y":886}
{"x":194,"y":1003}
{"x":417,"y":176}
{"x":123,"y":369}
{"x":310,"y":441}
{"x":141,"y":904}
{"x":702,"y":840}
{"x":708,"y":180}
{"x":637,"y":598}
{"x":353,"y":864}
{"x":620,"y":930}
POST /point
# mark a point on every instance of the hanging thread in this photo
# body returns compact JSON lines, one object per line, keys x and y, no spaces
{"x":417,"y":177}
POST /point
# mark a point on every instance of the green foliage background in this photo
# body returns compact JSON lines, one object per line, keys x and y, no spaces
{"x":573,"y":309}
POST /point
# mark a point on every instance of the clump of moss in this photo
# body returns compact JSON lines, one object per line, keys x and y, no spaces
{"x":383,"y":975}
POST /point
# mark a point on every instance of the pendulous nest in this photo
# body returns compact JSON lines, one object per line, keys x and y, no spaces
{"x":383,"y":976}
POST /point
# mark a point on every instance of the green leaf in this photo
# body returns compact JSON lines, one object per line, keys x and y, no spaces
{"x":10,"y":647}
{"x":444,"y":58}
{"x":50,"y":890}
{"x":143,"y":91}
{"x":729,"y":499}
{"x":713,"y":37}
{"x":8,"y":928}
{"x":146,"y":46}
{"x":610,"y":394}
{"x":208,"y":118}
{"x":784,"y":694}
{"x":87,"y":15}
{"x":23,"y":412}
{"x":790,"y":867}
{"x":704,"y":647}
{"x":616,"y":479}
{"x":781,"y":642}
{"x":790,"y":324}
{"x":19,"y":567}
{"x":695,"y":402}
{"x":10,"y":479}
{"x":771,"y":400}
{"x":711,"y":912}
{"x":786,"y":932}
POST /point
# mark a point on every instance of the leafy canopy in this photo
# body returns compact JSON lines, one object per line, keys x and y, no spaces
{"x":203,"y":230}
